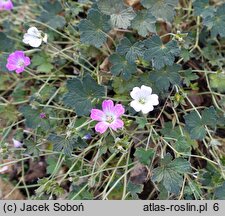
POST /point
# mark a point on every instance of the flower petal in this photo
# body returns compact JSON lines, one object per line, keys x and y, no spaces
{"x":11,"y":67}
{"x":97,"y":114}
{"x":34,"y":31}
{"x":136,"y":105}
{"x":3,"y":169}
{"x":20,"y":70}
{"x":27,"y":61}
{"x":32,"y":40}
{"x":147,"y":108}
{"x":134,"y":93}
{"x":118,"y":123}
{"x":6,"y":5}
{"x":153,"y":99}
{"x":101,"y":127}
{"x":107,"y":106}
{"x":146,"y":89}
{"x":16,"y":143}
{"x":118,"y":110}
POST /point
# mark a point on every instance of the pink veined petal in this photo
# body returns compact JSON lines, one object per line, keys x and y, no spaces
{"x":118,"y":123}
{"x":11,"y":67}
{"x":101,"y":127}
{"x":12,"y":58}
{"x":9,"y":6}
{"x":20,"y":70}
{"x":27,"y":61}
{"x":118,"y":110}
{"x":97,"y":114}
{"x":107,"y":106}
{"x":19,"y":54}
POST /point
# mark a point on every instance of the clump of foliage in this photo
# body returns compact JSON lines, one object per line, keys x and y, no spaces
{"x":100,"y":51}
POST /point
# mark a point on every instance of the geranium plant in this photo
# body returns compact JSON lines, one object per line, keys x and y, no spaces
{"x":117,"y":99}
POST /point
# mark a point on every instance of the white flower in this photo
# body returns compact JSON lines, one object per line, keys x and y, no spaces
{"x":3,"y":169}
{"x":34,"y":37}
{"x":144,"y":100}
{"x":16,"y":143}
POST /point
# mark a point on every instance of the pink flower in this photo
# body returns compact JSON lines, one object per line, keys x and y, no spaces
{"x":6,"y":5}
{"x":42,"y":115}
{"x":17,"y":61}
{"x":108,"y":117}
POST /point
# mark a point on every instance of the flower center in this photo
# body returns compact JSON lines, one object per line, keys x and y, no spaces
{"x":142,"y":101}
{"x":20,"y":63}
{"x":109,"y":119}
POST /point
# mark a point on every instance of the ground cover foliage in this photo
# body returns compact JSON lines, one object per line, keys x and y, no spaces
{"x":98,"y":51}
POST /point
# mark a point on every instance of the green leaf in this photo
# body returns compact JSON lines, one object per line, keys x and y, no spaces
{"x":33,"y":119}
{"x":220,"y":192}
{"x":51,"y":164}
{"x":144,"y":23}
{"x":66,"y":145}
{"x":45,"y":94}
{"x":45,"y":68}
{"x":182,"y":145}
{"x":166,"y":76}
{"x":160,"y":54}
{"x":50,"y":14}
{"x":3,"y":62}
{"x":216,"y":22}
{"x":32,"y":148}
{"x":180,"y":142}
{"x":120,"y":14}
{"x":170,"y":173}
{"x":215,"y":58}
{"x":53,"y":7}
{"x":6,"y":45}
{"x":94,"y":29}
{"x":144,"y":156}
{"x":217,"y":81}
{"x":75,"y":194}
{"x":202,"y":8}
{"x":193,"y":188}
{"x":141,"y":121}
{"x":57,"y":22}
{"x":189,"y":76}
{"x":196,"y":125}
{"x":81,"y":93}
{"x":43,"y":62}
{"x":161,"y":8}
{"x":120,"y":66}
{"x":134,"y":189}
{"x":8,"y":113}
{"x":131,"y":51}
{"x":209,"y":116}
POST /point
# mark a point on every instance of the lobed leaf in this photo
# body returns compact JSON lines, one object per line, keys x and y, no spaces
{"x":196,"y":125}
{"x":164,"y":9}
{"x":81,"y":93}
{"x":160,"y":54}
{"x":216,"y":22}
{"x":120,"y":66}
{"x":131,"y":51}
{"x":94,"y":29}
{"x":120,"y":14}
{"x":170,"y":173}
{"x":144,"y":23}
